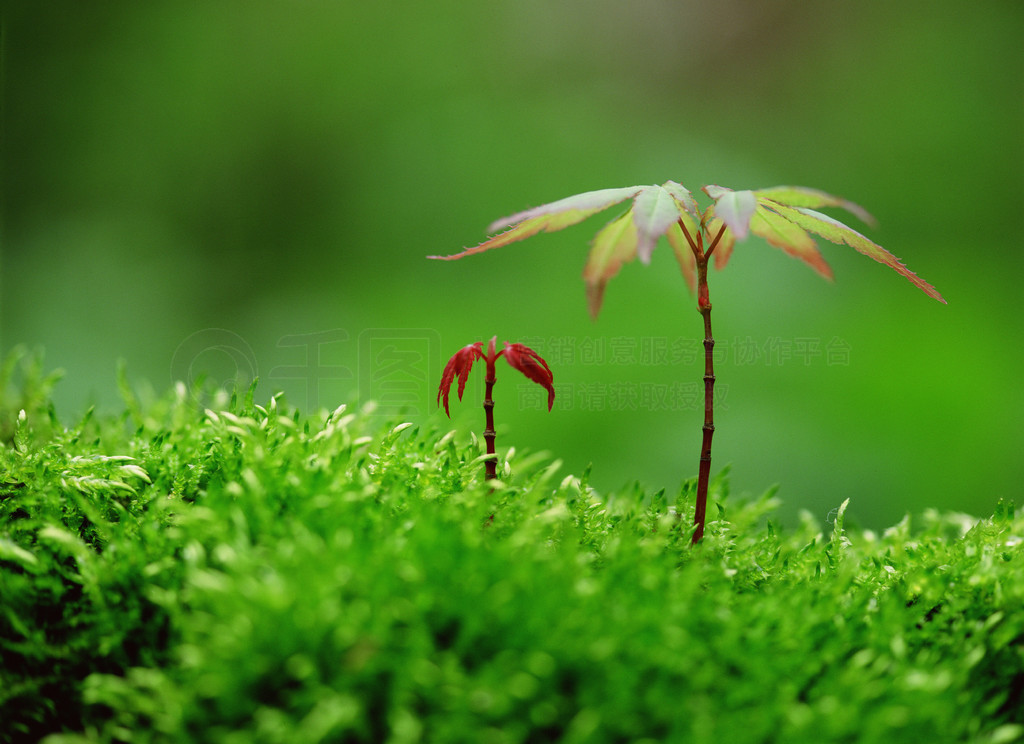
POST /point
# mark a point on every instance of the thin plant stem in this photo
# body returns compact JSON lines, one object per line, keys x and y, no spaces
{"x":704,"y":471}
{"x":708,"y":430}
{"x":490,"y":464}
{"x":714,"y":243}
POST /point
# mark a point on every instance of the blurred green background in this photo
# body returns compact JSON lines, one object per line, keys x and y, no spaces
{"x":251,"y":189}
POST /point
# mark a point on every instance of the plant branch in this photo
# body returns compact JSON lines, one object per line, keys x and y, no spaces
{"x":689,"y":238}
{"x":704,"y":471}
{"x":714,"y":243}
{"x":708,"y":430}
{"x":490,"y":465}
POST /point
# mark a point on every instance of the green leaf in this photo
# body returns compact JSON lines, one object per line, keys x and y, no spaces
{"x":800,"y":196}
{"x":782,"y":215}
{"x":683,"y":196}
{"x":613,"y":246}
{"x":585,"y":204}
{"x":734,"y":208}
{"x":791,"y":238}
{"x":835,"y":231}
{"x":548,"y":218}
{"x":684,"y":254}
{"x":655,"y":210}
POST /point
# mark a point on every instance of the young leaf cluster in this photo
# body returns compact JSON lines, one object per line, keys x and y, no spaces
{"x":518,"y":356}
{"x":785,"y":216}
{"x":250,"y":574}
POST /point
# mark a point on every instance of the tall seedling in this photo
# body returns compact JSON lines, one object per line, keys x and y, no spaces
{"x":785,"y":216}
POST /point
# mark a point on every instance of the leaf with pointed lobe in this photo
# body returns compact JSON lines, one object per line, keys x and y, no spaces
{"x":492,"y":354}
{"x":459,"y":365}
{"x":790,"y":237}
{"x":683,"y":196}
{"x":683,"y":251}
{"x":801,"y":196}
{"x":835,"y":231}
{"x":782,"y":215}
{"x":530,"y":363}
{"x":771,"y":212}
{"x":734,"y":208}
{"x":655,"y":210}
{"x":520,"y":232}
{"x":577,"y":207}
{"x":614,"y":245}
{"x":551,"y":217}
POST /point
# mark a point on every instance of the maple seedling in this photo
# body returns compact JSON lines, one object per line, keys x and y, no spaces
{"x":785,"y":216}
{"x":520,"y":357}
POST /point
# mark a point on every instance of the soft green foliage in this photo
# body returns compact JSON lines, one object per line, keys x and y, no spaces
{"x":783,"y":215}
{"x":242,"y":574}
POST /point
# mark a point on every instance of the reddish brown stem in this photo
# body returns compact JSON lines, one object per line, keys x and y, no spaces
{"x":490,"y":465}
{"x":708,"y":430}
{"x":714,"y":243}
{"x":704,"y":471}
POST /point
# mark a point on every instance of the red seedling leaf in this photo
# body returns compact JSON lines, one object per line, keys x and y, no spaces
{"x":491,"y":355}
{"x":529,"y":362}
{"x":459,"y":365}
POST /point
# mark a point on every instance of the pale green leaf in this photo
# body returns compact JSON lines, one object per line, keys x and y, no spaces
{"x":835,"y":231}
{"x":684,"y":254}
{"x":613,"y":246}
{"x":734,"y":208}
{"x":520,"y":232}
{"x":791,"y":238}
{"x":716,"y":192}
{"x":578,"y":207}
{"x":683,"y":196}
{"x":655,"y":209}
{"x":800,"y":196}
{"x":548,"y":218}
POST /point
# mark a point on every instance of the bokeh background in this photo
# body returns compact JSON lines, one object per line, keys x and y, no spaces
{"x":250,"y":189}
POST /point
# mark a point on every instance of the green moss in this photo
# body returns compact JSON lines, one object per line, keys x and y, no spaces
{"x":250,"y":575}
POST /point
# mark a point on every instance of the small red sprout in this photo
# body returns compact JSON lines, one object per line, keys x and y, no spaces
{"x":520,"y":357}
